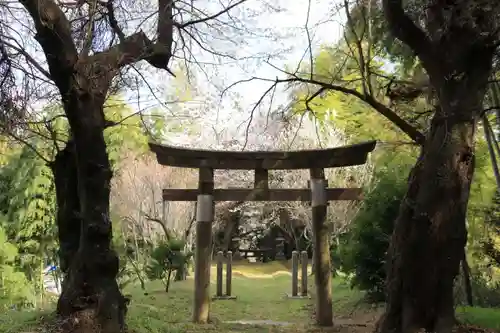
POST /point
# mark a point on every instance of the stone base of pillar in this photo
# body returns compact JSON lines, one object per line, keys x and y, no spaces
{"x":224,"y":297}
{"x":290,"y":296}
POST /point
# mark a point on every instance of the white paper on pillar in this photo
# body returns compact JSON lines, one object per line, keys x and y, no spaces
{"x":205,"y":208}
{"x":318,"y":192}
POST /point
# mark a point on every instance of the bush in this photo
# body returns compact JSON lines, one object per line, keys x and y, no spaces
{"x":485,"y":294}
{"x":167,"y":257}
{"x":361,"y":252}
{"x":15,"y":289}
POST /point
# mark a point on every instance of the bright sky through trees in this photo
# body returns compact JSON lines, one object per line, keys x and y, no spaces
{"x":288,"y":27}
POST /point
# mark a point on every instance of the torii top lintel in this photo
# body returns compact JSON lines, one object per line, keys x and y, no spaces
{"x":356,"y":154}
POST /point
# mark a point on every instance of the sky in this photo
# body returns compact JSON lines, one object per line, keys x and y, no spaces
{"x":324,"y":27}
{"x":281,"y":34}
{"x":288,"y":48}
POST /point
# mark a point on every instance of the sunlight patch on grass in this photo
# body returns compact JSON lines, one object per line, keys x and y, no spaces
{"x":272,"y":267}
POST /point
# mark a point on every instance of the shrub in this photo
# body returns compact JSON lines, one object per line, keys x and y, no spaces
{"x":15,"y":289}
{"x":167,"y":257}
{"x":485,"y":294}
{"x":362,"y":251}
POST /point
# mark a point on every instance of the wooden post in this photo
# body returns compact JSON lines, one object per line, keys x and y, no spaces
{"x":322,"y":264}
{"x":164,"y":213}
{"x":204,"y":218}
{"x":229,"y":272}
{"x":261,"y":184}
{"x":220,"y":262}
{"x":303,"y":261}
{"x":295,"y":273}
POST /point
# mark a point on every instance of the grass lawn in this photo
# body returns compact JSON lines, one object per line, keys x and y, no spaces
{"x":261,"y":291}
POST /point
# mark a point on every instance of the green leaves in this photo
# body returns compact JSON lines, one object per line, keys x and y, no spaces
{"x":8,"y":251}
{"x":14,"y":287}
{"x":362,"y":250}
{"x":166,"y":257}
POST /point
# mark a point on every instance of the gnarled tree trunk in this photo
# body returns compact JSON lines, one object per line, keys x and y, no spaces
{"x":83,"y":78}
{"x":90,"y":291}
{"x":430,"y":234}
{"x":68,"y":217}
{"x":455,"y":45}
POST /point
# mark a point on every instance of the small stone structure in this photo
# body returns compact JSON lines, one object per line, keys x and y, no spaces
{"x":229,"y":275}
{"x":304,"y":260}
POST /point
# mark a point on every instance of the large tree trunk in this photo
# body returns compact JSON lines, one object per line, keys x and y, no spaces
{"x":91,"y":294}
{"x":68,"y":217}
{"x":429,"y":236}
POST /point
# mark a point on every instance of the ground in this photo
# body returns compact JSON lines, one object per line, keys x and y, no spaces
{"x":261,"y":295}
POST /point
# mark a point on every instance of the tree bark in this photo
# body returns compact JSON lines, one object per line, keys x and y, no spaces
{"x":69,"y":222}
{"x":430,"y":233}
{"x":429,"y":237}
{"x":91,"y":294}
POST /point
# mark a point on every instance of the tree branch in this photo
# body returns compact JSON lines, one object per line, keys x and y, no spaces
{"x":131,"y":49}
{"x":388,"y":113}
{"x":138,"y":46}
{"x":30,"y":146}
{"x":28,"y":58}
{"x":211,"y":17}
{"x":405,"y":30}
{"x":113,"y":23}
{"x":160,"y":222}
{"x":54,"y":35}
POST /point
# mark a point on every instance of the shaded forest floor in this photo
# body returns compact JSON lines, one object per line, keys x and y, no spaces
{"x":261,"y":296}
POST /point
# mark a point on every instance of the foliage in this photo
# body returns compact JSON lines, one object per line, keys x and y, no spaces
{"x":28,"y":205}
{"x":15,"y":289}
{"x":127,"y":274}
{"x":361,"y":252}
{"x":491,"y":245}
{"x":485,"y":294}
{"x":131,"y":131}
{"x":27,"y":200}
{"x":167,"y":257}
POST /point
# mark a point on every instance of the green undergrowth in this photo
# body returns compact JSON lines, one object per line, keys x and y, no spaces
{"x":257,"y":299}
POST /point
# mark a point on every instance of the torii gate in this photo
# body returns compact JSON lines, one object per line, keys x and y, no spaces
{"x":206,"y":161}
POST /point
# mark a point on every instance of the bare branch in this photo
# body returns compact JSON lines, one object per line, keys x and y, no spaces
{"x":385,"y":111}
{"x":54,"y":33}
{"x":210,"y":17}
{"x":30,"y":146}
{"x":113,"y":23}
{"x":29,"y":58}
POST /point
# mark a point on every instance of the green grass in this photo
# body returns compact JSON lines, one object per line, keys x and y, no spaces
{"x":17,"y":321}
{"x":257,"y":299}
{"x":261,"y":299}
{"x":482,"y":317}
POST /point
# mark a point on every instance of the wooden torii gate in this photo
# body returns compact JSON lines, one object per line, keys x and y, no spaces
{"x":206,"y":161}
